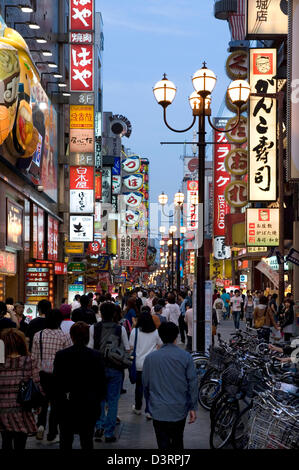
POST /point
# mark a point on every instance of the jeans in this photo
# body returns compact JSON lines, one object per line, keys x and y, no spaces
{"x":226,"y":314}
{"x":170,"y":434}
{"x":236,"y":316}
{"x":13,"y":440}
{"x":108,"y":421}
{"x":46,"y":381}
{"x":139,"y":393}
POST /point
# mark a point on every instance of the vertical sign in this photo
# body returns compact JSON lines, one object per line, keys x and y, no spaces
{"x":262,"y":126}
{"x":81,"y":15}
{"x":192,"y":196}
{"x":293,"y":92}
{"x":266,"y":18}
{"x":40,"y":234}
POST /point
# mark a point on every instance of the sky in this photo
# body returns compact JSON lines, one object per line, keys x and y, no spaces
{"x":142,"y":40}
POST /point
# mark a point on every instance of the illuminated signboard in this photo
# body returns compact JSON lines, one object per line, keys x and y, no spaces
{"x":81,"y":15}
{"x":8,"y":263}
{"x":81,"y":228}
{"x":262,"y":126}
{"x":52,"y":238}
{"x":192,"y":209}
{"x":81,"y":117}
{"x":266,"y":18}
{"x":14,"y":225}
{"x":262,"y":227}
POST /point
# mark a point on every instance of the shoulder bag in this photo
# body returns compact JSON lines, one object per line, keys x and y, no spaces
{"x":132,"y":369}
{"x":29,"y":394}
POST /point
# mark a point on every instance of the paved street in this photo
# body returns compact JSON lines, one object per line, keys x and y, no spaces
{"x":136,"y":432}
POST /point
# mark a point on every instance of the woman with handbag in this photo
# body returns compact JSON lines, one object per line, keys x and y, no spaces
{"x":143,"y":340}
{"x":16,"y":421}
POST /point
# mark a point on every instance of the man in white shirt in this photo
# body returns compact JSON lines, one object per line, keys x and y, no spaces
{"x":189,"y":321}
{"x":149,"y":301}
{"x":172,"y":310}
{"x":76,"y":303}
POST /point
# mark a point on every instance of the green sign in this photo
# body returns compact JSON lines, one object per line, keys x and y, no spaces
{"x":76,"y":267}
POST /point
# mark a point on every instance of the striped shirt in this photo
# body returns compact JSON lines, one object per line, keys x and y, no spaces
{"x":52,"y":341}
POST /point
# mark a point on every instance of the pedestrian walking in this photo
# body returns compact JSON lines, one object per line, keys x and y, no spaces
{"x":182,"y":300}
{"x":218,"y":305}
{"x":157,"y":315}
{"x":45,"y":344}
{"x":38,"y":323}
{"x":172,"y":311}
{"x":263,"y":318}
{"x":130,"y":312}
{"x":147,"y":341}
{"x":236,"y":302}
{"x":22,"y":320}
{"x":76,"y":302}
{"x":66,"y":323}
{"x":226,"y":299}
{"x":288,"y":320}
{"x":249,"y":308}
{"x":101,"y":334}
{"x":15,"y":422}
{"x":5,"y":320}
{"x":84,"y":313}
{"x":80,"y":386}
{"x":189,"y":322}
{"x":171,"y":386}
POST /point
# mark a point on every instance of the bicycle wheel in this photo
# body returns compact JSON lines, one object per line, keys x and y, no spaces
{"x":210,"y":374}
{"x":208,"y":392}
{"x":201,"y":365}
{"x":240,"y":430}
{"x":217,"y":404}
{"x":222,"y":425}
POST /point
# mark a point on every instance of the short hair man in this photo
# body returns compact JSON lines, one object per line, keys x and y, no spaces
{"x":84,"y":313}
{"x":169,"y":377}
{"x":38,"y":323}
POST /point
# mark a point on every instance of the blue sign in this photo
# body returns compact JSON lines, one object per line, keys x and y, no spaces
{"x":116,"y":166}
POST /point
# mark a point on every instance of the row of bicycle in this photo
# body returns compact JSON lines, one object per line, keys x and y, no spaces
{"x":252,"y":397}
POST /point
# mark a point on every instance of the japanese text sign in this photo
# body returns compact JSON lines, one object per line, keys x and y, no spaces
{"x":262,"y":126}
{"x":292,"y":100}
{"x":81,"y":140}
{"x":8,"y":263}
{"x":192,"y":209}
{"x":81,"y":177}
{"x":52,"y":239}
{"x":81,"y":60}
{"x":221,"y":177}
{"x":262,"y":227}
{"x":82,"y":201}
{"x":81,"y":117}
{"x":266,"y":18}
{"x":81,"y":228}
{"x":81,"y":15}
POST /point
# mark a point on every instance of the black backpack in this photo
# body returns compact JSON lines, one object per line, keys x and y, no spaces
{"x":107,"y":340}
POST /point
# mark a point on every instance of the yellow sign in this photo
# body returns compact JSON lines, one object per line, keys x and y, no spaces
{"x":220,"y":268}
{"x":71,"y":247}
{"x":81,"y":117}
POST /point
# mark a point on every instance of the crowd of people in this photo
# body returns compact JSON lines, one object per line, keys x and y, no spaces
{"x":77,"y":355}
{"x":257,"y":310}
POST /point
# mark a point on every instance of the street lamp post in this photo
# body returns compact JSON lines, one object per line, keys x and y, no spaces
{"x":204,"y":81}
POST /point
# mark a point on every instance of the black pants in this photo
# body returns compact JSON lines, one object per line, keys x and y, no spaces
{"x":13,"y":440}
{"x":249,"y":320}
{"x":287,"y":336}
{"x":189,"y":344}
{"x":85,"y":429}
{"x":170,"y":434}
{"x":139,"y":392}
{"x":182,"y":328}
{"x":47,"y":384}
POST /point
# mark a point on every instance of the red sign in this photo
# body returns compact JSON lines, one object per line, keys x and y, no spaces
{"x":137,"y":254}
{"x":81,"y":177}
{"x":35,"y":238}
{"x":52,"y":239}
{"x":81,"y":15}
{"x":60,"y":268}
{"x":192,"y":192}
{"x":81,"y":67}
{"x":94,"y":247}
{"x":40,"y":234}
{"x":221,"y":179}
{"x":8,"y":263}
{"x":98,"y":186}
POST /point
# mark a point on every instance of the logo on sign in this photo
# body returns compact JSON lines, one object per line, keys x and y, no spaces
{"x":132,"y":217}
{"x":131,"y":164}
{"x":133,"y":199}
{"x":133,"y":181}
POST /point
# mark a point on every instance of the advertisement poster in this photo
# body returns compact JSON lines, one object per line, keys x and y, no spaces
{"x":14,"y":225}
{"x":262,"y":227}
{"x":40,"y":234}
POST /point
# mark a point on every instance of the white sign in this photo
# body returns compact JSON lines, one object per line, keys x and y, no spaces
{"x":134,"y":182}
{"x":262,"y":126}
{"x":243,"y":278}
{"x":262,"y":227}
{"x":221,"y":251}
{"x":131,"y":164}
{"x":81,"y":228}
{"x":273,"y":276}
{"x":81,"y":201}
{"x":266,"y":18}
{"x":73,"y":290}
{"x":192,"y":209}
{"x":133,"y":199}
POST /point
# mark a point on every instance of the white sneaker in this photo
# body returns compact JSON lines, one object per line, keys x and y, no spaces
{"x":40,"y":433}
{"x":137,"y":412}
{"x":148,"y":416}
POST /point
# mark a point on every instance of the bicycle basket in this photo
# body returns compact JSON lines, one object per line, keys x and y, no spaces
{"x":219,"y":358}
{"x":231,"y":379}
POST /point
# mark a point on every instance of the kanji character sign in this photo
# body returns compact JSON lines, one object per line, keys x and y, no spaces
{"x":81,"y":15}
{"x":81,"y":67}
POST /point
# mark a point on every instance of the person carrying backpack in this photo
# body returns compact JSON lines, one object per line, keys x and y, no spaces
{"x":110,"y":339}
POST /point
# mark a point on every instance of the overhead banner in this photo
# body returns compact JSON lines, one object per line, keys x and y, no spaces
{"x":293,"y":93}
{"x":262,"y":227}
{"x":262,"y":126}
{"x":273,"y":276}
{"x":221,"y":177}
{"x":266,"y":18}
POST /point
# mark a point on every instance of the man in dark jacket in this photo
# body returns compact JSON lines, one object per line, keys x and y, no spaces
{"x":84,"y":313}
{"x":80,"y":385}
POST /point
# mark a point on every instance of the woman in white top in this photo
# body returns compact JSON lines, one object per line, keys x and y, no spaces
{"x":147,"y":341}
{"x":218,"y":305}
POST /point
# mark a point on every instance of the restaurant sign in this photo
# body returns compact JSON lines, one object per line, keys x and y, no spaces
{"x":262,"y":227}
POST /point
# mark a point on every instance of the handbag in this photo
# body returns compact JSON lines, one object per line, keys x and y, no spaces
{"x":132,"y":369}
{"x":29,"y":394}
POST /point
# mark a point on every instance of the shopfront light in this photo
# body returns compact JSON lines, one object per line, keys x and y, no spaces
{"x":47,"y":53}
{"x":26,"y":8}
{"x":62,"y":85}
{"x":41,"y":40}
{"x":57,"y":75}
{"x":33,"y":26}
{"x":172,"y":229}
{"x":52,"y":65}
